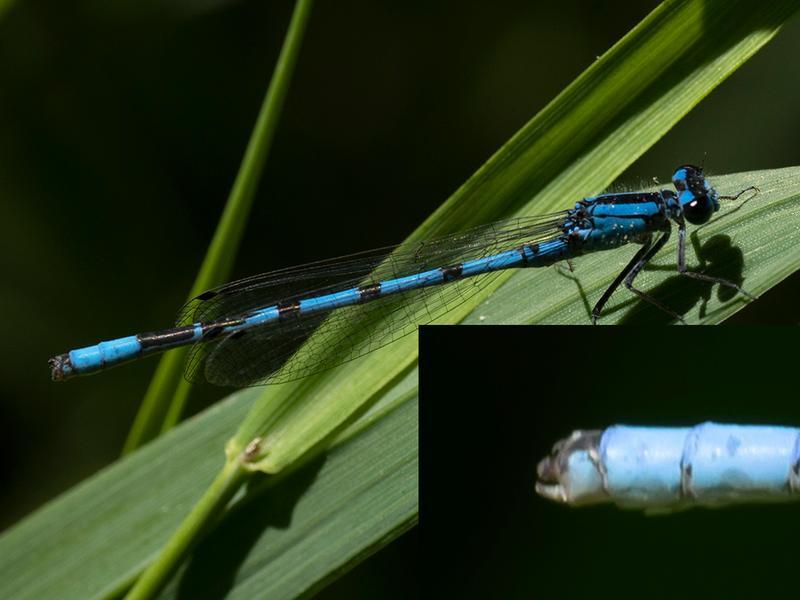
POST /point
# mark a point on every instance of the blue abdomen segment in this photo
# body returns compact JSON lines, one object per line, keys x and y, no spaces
{"x":94,"y":358}
{"x":105,"y":353}
{"x":661,"y":469}
{"x":643,"y":464}
{"x":548,"y":253}
{"x":741,"y":460}
{"x":411,"y":282}
{"x":90,"y":359}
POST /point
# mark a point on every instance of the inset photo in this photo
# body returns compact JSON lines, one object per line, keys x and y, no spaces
{"x":581,"y":461}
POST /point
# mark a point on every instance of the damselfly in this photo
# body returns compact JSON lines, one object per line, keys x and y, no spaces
{"x":247,"y":332}
{"x":661,"y":469}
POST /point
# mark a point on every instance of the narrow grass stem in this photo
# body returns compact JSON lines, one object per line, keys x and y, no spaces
{"x":168,"y":392}
{"x":207,"y":509}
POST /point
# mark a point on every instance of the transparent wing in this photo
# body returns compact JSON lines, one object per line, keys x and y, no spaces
{"x":326,"y":276}
{"x":268,"y":354}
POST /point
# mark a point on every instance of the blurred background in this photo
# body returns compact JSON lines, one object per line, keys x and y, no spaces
{"x":122,"y":126}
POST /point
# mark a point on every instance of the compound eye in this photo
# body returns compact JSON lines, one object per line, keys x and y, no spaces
{"x":687,"y":177}
{"x":699,"y":210}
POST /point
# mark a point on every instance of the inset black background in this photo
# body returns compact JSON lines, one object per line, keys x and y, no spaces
{"x":493,"y":400}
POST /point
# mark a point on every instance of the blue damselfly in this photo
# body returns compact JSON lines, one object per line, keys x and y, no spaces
{"x":247,"y":332}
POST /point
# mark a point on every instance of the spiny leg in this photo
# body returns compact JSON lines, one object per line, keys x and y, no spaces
{"x":637,"y":268}
{"x":682,"y":269}
{"x":598,"y":308}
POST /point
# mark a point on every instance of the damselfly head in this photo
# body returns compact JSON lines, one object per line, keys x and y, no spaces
{"x":697,"y":198}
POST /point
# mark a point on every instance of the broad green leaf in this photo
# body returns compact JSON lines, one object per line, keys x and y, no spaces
{"x":289,"y":535}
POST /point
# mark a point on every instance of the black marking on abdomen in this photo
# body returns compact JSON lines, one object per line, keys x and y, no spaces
{"x":452,"y":272}
{"x":626,"y":198}
{"x":369,"y":292}
{"x":166,"y":338}
{"x":288,"y":309}
{"x":213,"y":328}
{"x":534,"y":248}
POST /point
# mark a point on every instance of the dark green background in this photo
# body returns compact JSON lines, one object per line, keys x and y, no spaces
{"x":122,"y":126}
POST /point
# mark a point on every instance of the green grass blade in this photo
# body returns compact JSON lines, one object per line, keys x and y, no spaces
{"x":94,"y":540}
{"x":166,"y":396}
